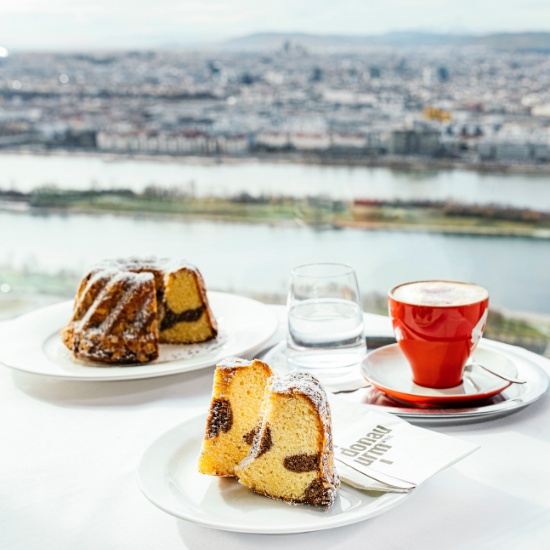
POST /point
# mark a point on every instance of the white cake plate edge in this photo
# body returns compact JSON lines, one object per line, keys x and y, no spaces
{"x":147,"y":370}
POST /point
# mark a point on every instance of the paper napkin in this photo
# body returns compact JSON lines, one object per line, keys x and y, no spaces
{"x":382,"y":452}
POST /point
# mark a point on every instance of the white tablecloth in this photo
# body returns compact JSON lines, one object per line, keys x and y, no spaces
{"x":69,"y":452}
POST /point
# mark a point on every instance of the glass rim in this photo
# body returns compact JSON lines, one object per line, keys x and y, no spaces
{"x":347,"y":271}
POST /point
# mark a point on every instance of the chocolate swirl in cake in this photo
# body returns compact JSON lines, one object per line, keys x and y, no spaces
{"x":220,"y":419}
{"x":302,"y":463}
{"x":317,"y":493}
{"x":265,"y":442}
{"x":189,"y":316}
{"x":249,"y":436}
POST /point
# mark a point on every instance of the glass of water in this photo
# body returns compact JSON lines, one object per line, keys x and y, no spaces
{"x":325,"y":321}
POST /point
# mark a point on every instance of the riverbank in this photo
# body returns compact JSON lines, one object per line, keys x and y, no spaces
{"x":419,"y":216}
{"x":392,"y":162}
{"x":203,"y":178}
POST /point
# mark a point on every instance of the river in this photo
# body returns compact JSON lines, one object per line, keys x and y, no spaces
{"x":25,"y":172}
{"x":240,"y":257}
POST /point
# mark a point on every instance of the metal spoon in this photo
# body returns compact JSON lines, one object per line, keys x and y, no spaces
{"x":469,"y":379}
{"x":351,"y":390}
{"x":503,"y":376}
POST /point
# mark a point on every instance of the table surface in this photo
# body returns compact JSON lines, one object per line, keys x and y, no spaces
{"x":70,"y":451}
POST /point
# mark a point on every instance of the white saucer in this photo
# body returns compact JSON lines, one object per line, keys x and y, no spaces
{"x":31,"y":343}
{"x":388,"y":370}
{"x":167,"y":474}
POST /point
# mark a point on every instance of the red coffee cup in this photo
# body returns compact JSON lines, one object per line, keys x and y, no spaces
{"x":438,"y":325}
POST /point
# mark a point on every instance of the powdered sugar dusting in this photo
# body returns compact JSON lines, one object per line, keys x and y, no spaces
{"x":135,"y":263}
{"x":131,"y":281}
{"x":97,"y":336}
{"x":177,"y":352}
{"x":234,"y":362}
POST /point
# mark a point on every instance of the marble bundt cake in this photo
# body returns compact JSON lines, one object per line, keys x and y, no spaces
{"x":292,"y":456}
{"x":124,"y":308}
{"x":236,"y":406}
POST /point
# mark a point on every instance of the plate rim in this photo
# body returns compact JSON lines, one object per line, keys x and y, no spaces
{"x":132,"y":376}
{"x":408,"y":397}
{"x":395,"y":499}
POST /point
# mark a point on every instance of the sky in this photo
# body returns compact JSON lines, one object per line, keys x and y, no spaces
{"x":106,"y":24}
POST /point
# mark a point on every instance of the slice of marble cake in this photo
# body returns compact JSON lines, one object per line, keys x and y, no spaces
{"x":292,"y":456}
{"x":234,"y":414}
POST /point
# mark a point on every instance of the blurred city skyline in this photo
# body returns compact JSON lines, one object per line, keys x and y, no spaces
{"x":98,"y":24}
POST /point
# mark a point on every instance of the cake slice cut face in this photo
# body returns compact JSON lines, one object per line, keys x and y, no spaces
{"x":233,"y":419}
{"x":292,"y":456}
{"x":185,"y":315}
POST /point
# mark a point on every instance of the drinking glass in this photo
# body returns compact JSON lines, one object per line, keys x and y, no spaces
{"x":325,"y":320}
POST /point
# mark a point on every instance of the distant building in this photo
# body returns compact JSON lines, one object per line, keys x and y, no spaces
{"x":16,"y":133}
{"x":427,"y":76}
{"x":443,"y":74}
{"x":512,"y":151}
{"x":302,"y":141}
{"x":187,"y":143}
{"x":431,"y":113}
{"x":247,"y":79}
{"x":349,"y":141}
{"x":541,"y":110}
{"x":375,"y":72}
{"x":272,"y":140}
{"x":423,"y":141}
{"x":86,"y":139}
{"x":215,"y":67}
{"x":515,"y":151}
{"x":540,"y":152}
{"x":317,"y":75}
{"x":310,"y":142}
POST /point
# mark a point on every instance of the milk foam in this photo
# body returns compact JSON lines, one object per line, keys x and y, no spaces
{"x":440,"y":293}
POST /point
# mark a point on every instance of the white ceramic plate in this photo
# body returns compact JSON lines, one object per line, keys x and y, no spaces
{"x":31,"y":343}
{"x":167,"y":474}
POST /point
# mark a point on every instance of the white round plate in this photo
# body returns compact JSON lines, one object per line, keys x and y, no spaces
{"x":31,"y":343}
{"x":167,"y":474}
{"x":387,"y":369}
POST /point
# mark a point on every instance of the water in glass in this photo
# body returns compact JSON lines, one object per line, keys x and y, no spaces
{"x":325,"y":321}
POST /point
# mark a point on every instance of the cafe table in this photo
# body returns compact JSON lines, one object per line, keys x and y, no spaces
{"x":69,"y":452}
